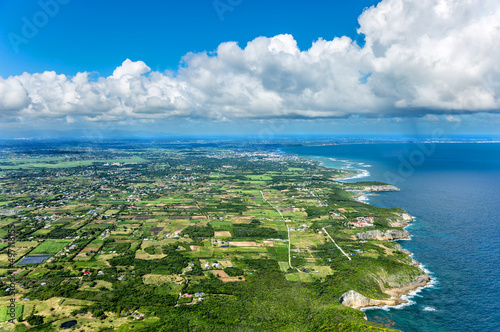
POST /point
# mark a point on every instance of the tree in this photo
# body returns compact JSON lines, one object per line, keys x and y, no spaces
{"x":34,"y":320}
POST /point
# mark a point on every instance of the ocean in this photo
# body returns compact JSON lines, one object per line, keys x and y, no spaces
{"x":452,"y":190}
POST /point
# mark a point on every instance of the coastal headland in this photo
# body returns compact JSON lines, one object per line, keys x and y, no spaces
{"x":397,"y":232}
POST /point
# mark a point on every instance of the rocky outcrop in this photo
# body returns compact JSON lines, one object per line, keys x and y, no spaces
{"x":403,"y":222}
{"x":400,"y":248}
{"x":355,"y":300}
{"x":398,"y":223}
{"x":420,"y":281}
{"x":389,"y":235}
{"x":380,"y":188}
{"x":406,"y":217}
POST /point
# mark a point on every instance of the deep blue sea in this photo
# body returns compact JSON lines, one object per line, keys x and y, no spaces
{"x":453,"y":191}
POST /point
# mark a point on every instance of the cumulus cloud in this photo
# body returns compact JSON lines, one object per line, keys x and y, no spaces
{"x":452,"y":119}
{"x":430,"y":118}
{"x":435,"y":54}
{"x":13,"y":96}
{"x":134,"y":69}
{"x":420,"y":57}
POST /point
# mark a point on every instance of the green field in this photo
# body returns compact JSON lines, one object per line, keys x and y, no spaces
{"x":4,"y":313}
{"x":60,"y":162}
{"x":50,"y":247}
{"x":260,"y":177}
{"x":283,"y":266}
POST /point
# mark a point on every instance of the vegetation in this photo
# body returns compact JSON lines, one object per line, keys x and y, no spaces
{"x":184,"y":236}
{"x":34,"y":320}
{"x":199,"y":231}
{"x":253,"y":231}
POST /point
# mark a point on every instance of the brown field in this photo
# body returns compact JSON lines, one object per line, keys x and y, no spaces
{"x":220,"y":273}
{"x":195,"y":248}
{"x":90,"y":248}
{"x":222,"y":234}
{"x":224,"y":277}
{"x":225,"y":263}
{"x":199,"y":217}
{"x":246,"y":217}
{"x":156,"y":230}
{"x":232,"y":279}
{"x":241,"y":221}
{"x":269,"y":243}
{"x":245,"y":244}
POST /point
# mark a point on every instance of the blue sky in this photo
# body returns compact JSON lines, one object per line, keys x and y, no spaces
{"x":96,"y":35}
{"x":170,"y":67}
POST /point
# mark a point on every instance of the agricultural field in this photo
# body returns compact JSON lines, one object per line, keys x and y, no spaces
{"x":50,"y":247}
{"x":154,"y":238}
{"x":4,"y":313}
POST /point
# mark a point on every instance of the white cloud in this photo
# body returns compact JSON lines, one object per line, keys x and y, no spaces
{"x":435,"y":54}
{"x":69,"y":119}
{"x":452,"y":119}
{"x":430,"y":118}
{"x":129,"y":68}
{"x":420,"y":57}
{"x":13,"y":96}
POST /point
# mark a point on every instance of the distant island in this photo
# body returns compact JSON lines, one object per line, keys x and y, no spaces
{"x":184,"y":236}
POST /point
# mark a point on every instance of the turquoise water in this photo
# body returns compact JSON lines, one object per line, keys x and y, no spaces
{"x":452,"y":190}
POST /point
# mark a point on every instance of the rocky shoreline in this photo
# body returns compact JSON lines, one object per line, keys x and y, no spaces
{"x":356,"y":300}
{"x":389,"y":235}
{"x":363,"y":192}
{"x":380,"y":188}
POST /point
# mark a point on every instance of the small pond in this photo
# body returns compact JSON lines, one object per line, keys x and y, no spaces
{"x":68,"y":324}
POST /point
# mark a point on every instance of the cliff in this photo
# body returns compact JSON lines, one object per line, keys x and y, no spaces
{"x":380,"y":188}
{"x":402,"y":221}
{"x":388,"y":235}
{"x":356,"y":300}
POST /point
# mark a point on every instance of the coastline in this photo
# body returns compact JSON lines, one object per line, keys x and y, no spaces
{"x":444,"y":239}
{"x":400,"y":296}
